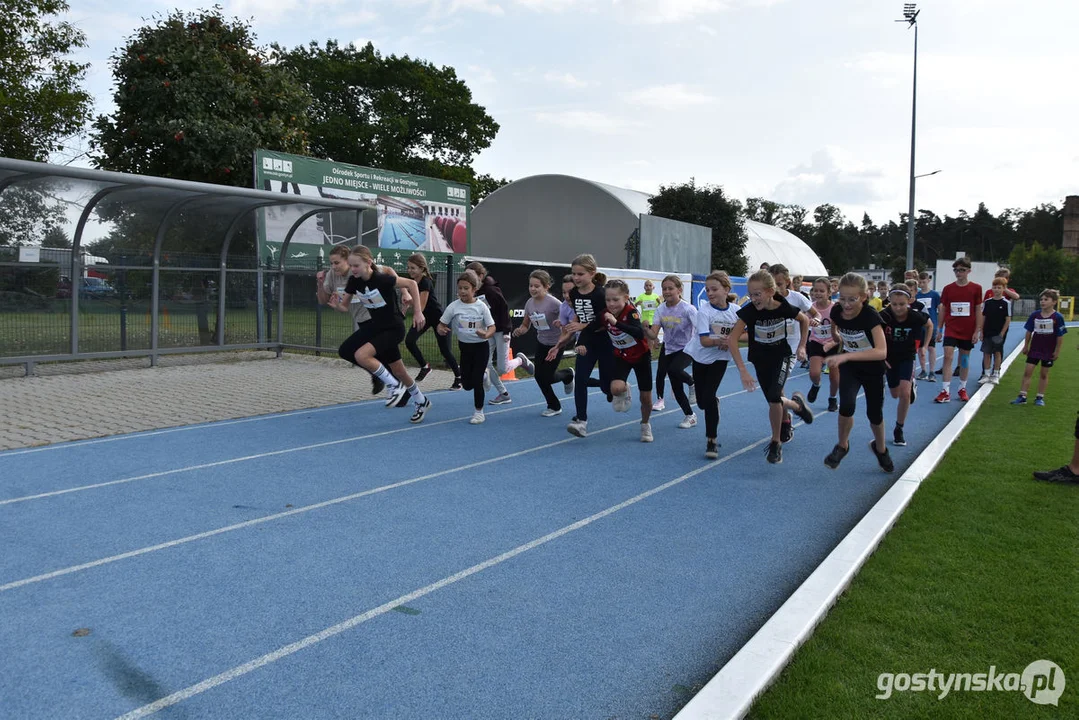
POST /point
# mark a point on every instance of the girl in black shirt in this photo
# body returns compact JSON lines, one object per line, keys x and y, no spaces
{"x":432,"y":311}
{"x":858,"y":330}
{"x":589,"y":302}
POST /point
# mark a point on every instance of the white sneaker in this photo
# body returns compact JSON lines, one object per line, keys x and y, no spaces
{"x":528,"y":365}
{"x":620,"y":402}
{"x":658,"y":406}
{"x":421,"y":410}
{"x":646,"y":432}
{"x":994,"y":379}
{"x":983,"y":379}
{"x":551,"y":412}
{"x":690,"y":421}
{"x":486,"y":382}
{"x":399,"y":393}
{"x":477,"y":417}
{"x":692,"y":395}
{"x":568,"y":385}
{"x":578,"y":428}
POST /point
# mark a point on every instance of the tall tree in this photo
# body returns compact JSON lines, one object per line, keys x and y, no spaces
{"x":390,"y":112}
{"x":195,"y":96}
{"x":41,"y":103}
{"x":707,"y":206}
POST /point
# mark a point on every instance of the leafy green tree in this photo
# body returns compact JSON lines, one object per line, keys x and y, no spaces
{"x":195,"y":97}
{"x":28,"y":214}
{"x":56,"y":237}
{"x":390,"y":112}
{"x":1038,"y":267}
{"x":708,"y":206}
{"x":41,"y":103}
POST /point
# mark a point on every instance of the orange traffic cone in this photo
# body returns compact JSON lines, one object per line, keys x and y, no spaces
{"x":509,"y":374}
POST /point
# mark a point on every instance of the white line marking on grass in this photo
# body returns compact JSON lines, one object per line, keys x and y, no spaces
{"x":292,"y":648}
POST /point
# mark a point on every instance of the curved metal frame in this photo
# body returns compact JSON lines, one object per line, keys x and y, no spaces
{"x":155,"y":283}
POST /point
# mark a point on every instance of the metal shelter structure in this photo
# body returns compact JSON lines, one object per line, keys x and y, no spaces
{"x":150,"y":222}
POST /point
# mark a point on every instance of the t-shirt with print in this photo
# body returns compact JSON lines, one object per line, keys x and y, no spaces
{"x":856,"y":334}
{"x":961,"y":303}
{"x":678,"y":325}
{"x":1044,"y":332}
{"x":466,"y":319}
{"x":989,"y":294}
{"x":647,"y":304}
{"x":994,"y":314}
{"x":901,"y":335}
{"x":334,"y":284}
{"x":589,"y":309}
{"x":794,"y":328}
{"x":768,"y":330}
{"x":432,"y":311}
{"x":822,"y":332}
{"x":378,"y":294}
{"x":627,"y":335}
{"x":931,"y":300}
{"x":712,"y":322}
{"x":542,"y":315}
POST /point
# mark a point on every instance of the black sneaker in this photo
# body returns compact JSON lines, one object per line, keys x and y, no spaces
{"x":424,"y":372}
{"x":939,"y":372}
{"x":711,"y":450}
{"x":377,"y":386}
{"x":775,"y":452}
{"x":833,"y":405}
{"x":836,"y":456}
{"x":897,"y":436}
{"x":421,"y":410}
{"x":1061,"y":475}
{"x":804,"y":413}
{"x":456,"y":383}
{"x":813,"y":390}
{"x":786,"y":429}
{"x":883,"y":459}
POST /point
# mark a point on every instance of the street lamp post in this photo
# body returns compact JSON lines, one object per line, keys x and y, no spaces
{"x":910,"y":16}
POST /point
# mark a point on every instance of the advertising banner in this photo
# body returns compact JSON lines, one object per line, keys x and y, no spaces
{"x":395,"y":212}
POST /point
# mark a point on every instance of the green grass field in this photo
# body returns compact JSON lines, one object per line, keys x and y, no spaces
{"x":981,"y":570}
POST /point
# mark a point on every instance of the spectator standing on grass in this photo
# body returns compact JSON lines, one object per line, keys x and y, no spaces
{"x":961,"y":316}
{"x":996,"y":319}
{"x":474,"y":325}
{"x":1045,"y":334}
{"x":764,"y":318}
{"x":542,"y":313}
{"x":860,"y":332}
{"x":927,"y":353}
{"x":904,"y":327}
{"x":711,"y":351}
{"x":432,"y":311}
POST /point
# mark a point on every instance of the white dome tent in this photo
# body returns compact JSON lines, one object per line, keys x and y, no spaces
{"x":770,"y":244}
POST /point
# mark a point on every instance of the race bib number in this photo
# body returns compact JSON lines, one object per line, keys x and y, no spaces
{"x":621,"y":340}
{"x":539,"y":320}
{"x":649,"y":305}
{"x":371,"y":299}
{"x":770,"y":333}
{"x":466,"y":325}
{"x":1044,"y":326}
{"x":960,"y":309}
{"x":927,"y":302}
{"x":821,"y":333}
{"x":719,"y":329}
{"x":855,"y":341}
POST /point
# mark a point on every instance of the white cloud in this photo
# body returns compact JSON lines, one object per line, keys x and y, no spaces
{"x":707,"y":30}
{"x":673,"y":96}
{"x":565,"y":80}
{"x":831,"y":176}
{"x":481,"y":75}
{"x":587,"y":121}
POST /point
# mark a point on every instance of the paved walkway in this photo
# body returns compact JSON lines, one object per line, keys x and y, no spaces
{"x":95,"y":399}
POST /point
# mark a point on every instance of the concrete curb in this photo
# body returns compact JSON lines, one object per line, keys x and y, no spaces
{"x":733,"y":690}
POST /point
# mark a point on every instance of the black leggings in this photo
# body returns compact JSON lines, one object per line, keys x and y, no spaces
{"x":599,"y":352}
{"x":674,"y":367}
{"x":853,"y":379}
{"x":548,"y":373}
{"x":444,"y":347}
{"x":707,"y":378}
{"x":474,"y":358}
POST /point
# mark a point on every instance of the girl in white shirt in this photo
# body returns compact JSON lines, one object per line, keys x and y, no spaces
{"x":711,"y":350}
{"x":474,"y":325}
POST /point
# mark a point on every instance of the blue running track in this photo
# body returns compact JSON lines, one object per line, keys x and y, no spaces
{"x":340,"y":562}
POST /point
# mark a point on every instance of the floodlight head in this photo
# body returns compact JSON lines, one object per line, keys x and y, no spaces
{"x":910,"y":13}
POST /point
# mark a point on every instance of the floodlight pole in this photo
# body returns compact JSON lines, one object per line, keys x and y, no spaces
{"x":911,"y":17}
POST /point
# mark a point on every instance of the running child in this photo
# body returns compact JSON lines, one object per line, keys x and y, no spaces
{"x":474,"y":325}
{"x":961,"y":316}
{"x":376,"y":346}
{"x":432,"y":310}
{"x":1045,"y":334}
{"x":903,"y":328}
{"x":631,"y":353}
{"x":647,"y":303}
{"x":822,"y":344}
{"x":589,"y":301}
{"x":860,"y":333}
{"x":765,"y":319}
{"x":491,"y":294}
{"x":711,"y":351}
{"x":676,"y":317}
{"x":996,"y":315}
{"x":794,"y":334}
{"x":927,"y":353}
{"x":542,"y":312}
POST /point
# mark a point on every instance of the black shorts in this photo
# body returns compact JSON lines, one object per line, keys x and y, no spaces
{"x":899,"y":371}
{"x":387,"y":343}
{"x":1035,"y":361}
{"x":932,"y":339}
{"x":815,"y":349}
{"x":772,"y":376}
{"x":959,"y":343}
{"x":988,"y":346}
{"x":642,"y":369}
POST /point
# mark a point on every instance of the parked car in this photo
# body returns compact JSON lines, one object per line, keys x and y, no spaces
{"x":93,"y":288}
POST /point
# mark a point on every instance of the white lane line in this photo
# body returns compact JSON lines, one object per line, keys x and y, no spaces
{"x":241,"y":670}
{"x":245,"y":458}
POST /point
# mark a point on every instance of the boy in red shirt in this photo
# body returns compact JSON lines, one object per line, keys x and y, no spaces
{"x":961,"y":318}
